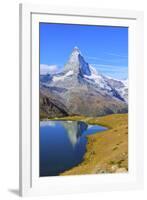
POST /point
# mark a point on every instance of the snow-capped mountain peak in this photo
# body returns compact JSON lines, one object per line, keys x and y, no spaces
{"x":76,"y":50}
{"x":78,"y":73}
{"x":77,"y":63}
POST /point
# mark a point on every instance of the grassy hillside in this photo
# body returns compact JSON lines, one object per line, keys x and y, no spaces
{"x":107,"y":152}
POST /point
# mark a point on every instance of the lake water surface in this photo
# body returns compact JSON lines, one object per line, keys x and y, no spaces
{"x":63,"y":144}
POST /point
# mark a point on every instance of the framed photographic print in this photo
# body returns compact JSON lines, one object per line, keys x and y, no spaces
{"x":81,"y":97}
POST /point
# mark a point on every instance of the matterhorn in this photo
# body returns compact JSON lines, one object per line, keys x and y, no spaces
{"x":79,"y":89}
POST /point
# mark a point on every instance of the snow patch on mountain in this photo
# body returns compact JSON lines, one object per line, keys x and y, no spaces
{"x":121,"y":86}
{"x":62,"y":78}
{"x":93,"y":70}
{"x":125,"y":82}
{"x":98,"y":80}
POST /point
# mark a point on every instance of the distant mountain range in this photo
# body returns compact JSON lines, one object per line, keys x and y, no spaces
{"x":80,"y":90}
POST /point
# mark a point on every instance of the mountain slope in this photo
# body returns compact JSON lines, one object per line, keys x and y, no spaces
{"x":51,"y":106}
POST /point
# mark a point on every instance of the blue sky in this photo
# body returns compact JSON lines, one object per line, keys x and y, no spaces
{"x":105,"y":47}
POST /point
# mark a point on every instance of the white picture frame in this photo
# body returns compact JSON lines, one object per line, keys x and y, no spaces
{"x":30,"y":183}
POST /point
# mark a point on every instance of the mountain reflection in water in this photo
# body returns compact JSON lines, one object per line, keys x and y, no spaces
{"x":63,"y":144}
{"x":74,"y":130}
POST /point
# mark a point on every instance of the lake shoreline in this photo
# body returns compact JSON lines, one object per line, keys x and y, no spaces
{"x":106,"y":151}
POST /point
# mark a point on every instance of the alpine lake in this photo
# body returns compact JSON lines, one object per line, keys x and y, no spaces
{"x":63,"y":145}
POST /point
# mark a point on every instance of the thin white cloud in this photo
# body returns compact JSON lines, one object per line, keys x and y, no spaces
{"x":117,"y":55}
{"x":108,"y":66}
{"x":120,"y":72}
{"x":93,"y":58}
{"x":113,"y":59}
{"x":48,"y":69}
